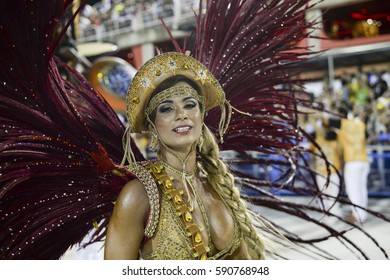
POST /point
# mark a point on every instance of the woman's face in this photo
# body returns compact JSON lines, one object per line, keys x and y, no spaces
{"x":179,"y":122}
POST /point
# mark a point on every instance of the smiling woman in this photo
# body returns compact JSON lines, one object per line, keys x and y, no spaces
{"x":62,"y":164}
{"x":195,"y":211}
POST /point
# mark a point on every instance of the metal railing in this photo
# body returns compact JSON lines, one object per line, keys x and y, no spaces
{"x":110,"y":28}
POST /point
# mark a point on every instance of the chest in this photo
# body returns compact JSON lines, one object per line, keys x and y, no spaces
{"x":211,"y":213}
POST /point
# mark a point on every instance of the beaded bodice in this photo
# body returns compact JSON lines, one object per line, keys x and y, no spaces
{"x":172,"y":241}
{"x":175,"y":236}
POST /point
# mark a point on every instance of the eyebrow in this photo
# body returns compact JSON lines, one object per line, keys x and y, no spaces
{"x":170,"y":101}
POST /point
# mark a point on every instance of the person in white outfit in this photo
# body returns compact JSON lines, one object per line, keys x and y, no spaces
{"x":352,"y":135}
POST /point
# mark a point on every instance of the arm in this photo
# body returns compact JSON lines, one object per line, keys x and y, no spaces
{"x":126,"y":227}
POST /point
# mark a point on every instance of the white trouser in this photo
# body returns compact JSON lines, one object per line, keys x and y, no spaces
{"x":355,"y":176}
{"x":332,"y":190}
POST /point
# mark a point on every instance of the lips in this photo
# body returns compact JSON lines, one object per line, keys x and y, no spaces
{"x":182,"y":129}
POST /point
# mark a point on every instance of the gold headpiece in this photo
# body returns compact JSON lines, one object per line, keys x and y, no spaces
{"x":157,"y":70}
{"x":173,"y":91}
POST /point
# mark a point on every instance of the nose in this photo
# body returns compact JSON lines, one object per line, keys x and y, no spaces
{"x":181,"y":113}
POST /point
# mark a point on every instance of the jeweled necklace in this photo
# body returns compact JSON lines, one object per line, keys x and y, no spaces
{"x":187,"y":180}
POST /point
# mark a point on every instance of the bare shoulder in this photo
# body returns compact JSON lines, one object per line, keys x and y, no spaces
{"x":133,"y":199}
{"x":126,"y":226}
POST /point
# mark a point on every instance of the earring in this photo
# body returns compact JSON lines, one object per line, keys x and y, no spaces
{"x":153,"y":142}
{"x":200,"y":142}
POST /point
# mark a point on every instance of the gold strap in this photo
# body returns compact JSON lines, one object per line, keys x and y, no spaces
{"x":182,"y":209}
{"x":153,"y":195}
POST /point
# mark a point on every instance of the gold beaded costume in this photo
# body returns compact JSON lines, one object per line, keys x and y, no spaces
{"x":171,"y":221}
{"x":177,"y":235}
{"x":60,"y":141}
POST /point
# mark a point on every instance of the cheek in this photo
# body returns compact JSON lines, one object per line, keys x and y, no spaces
{"x":161,"y":124}
{"x":198,"y":122}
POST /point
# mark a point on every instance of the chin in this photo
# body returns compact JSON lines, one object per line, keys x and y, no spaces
{"x":180,"y":145}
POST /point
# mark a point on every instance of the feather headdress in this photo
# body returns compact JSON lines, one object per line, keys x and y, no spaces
{"x":60,"y":142}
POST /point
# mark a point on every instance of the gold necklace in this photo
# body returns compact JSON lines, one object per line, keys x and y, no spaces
{"x":188,"y":179}
{"x":182,"y":209}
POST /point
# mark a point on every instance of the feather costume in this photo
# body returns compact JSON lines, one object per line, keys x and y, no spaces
{"x":61,"y":143}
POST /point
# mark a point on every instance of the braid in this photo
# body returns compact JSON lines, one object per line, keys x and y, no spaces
{"x":223,"y":183}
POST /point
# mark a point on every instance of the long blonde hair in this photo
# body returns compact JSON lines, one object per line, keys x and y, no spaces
{"x":223,"y":182}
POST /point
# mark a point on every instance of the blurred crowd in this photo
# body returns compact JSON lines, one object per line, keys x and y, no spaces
{"x":365,"y":96}
{"x":133,"y":14}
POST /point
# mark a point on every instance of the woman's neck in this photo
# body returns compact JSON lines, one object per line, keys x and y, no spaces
{"x":181,"y":161}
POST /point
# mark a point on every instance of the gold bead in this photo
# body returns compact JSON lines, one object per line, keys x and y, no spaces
{"x":198,"y":237}
{"x":188,"y":217}
{"x":117,"y":172}
{"x":168,"y":184}
{"x":156,"y":169}
{"x":158,"y":72}
{"x":186,"y":66}
{"x":203,"y":257}
{"x":178,"y":199}
{"x":135,"y":99}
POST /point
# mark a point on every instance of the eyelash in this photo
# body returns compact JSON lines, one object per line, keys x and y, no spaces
{"x":188,"y":105}
{"x":165,"y":109}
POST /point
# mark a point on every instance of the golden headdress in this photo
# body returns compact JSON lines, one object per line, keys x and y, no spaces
{"x":157,"y":70}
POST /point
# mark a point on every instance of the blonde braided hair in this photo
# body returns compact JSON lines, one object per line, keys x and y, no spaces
{"x":223,"y":183}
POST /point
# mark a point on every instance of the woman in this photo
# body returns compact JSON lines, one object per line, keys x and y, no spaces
{"x":188,"y":176}
{"x":60,"y":147}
